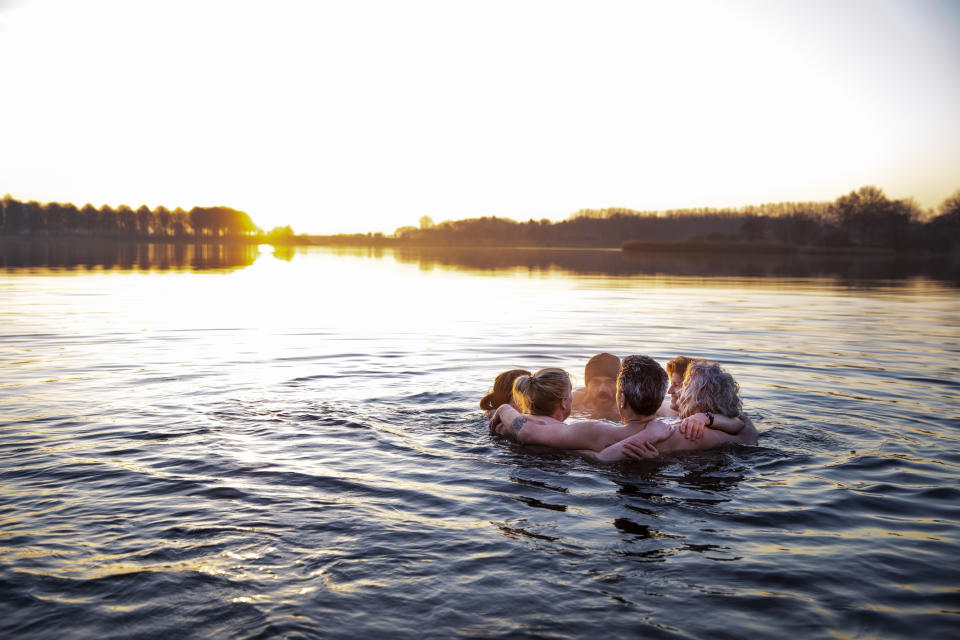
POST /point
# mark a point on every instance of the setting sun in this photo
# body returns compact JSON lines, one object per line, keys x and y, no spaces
{"x":365,"y":116}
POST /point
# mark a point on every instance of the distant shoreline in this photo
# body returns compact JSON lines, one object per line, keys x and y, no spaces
{"x":862,"y":223}
{"x":757,"y":248}
{"x":693,"y":248}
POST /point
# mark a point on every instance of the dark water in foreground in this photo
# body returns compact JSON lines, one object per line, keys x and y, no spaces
{"x":292,"y":448}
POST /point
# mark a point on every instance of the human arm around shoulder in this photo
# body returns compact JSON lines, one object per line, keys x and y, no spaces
{"x":638,"y":446}
{"x":546,"y":431}
{"x":588,"y":434}
{"x":541,"y":430}
{"x":692,"y":427}
{"x":506,"y":421}
{"x":638,"y":450}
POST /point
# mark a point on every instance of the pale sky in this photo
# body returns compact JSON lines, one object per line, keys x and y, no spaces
{"x":365,"y":115}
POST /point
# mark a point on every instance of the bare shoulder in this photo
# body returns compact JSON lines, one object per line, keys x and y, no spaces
{"x":610,"y":433}
{"x":661,"y":429}
{"x":747,"y":435}
{"x":533,"y":423}
{"x":591,"y":426}
{"x":579,"y":396}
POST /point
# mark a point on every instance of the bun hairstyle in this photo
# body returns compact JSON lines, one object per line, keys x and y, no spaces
{"x":541,"y":393}
{"x":502,"y":392}
{"x":707,"y":387}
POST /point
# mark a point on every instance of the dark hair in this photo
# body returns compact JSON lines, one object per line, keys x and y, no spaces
{"x":643,"y":383}
{"x":502,"y":391}
{"x":540,"y":393}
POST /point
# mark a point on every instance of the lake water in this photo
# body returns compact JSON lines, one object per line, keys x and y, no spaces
{"x":244,"y":445}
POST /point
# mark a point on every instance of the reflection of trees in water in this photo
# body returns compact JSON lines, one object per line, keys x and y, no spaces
{"x":284,"y":252}
{"x":850,"y":270}
{"x":857,"y":271}
{"x":72,"y":254}
{"x":511,"y":259}
{"x":847,"y":269}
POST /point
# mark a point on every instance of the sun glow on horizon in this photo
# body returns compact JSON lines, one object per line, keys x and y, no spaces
{"x":363,"y":117}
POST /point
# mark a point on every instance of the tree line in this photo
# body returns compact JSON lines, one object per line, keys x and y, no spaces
{"x":124,"y":223}
{"x":863,"y":218}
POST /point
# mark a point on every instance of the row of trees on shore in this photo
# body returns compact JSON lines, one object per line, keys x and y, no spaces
{"x":863,"y":218}
{"x":159,"y":224}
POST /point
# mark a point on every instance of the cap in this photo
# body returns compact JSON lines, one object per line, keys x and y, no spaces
{"x":602,"y":364}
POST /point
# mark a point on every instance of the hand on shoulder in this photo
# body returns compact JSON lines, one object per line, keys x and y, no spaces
{"x":660,"y":430}
{"x":639,"y":450}
{"x":692,"y":427}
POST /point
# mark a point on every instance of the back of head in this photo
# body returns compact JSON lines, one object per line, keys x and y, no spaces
{"x":643,"y":383}
{"x":602,"y":364}
{"x":502,"y":391}
{"x":541,"y":393}
{"x":707,"y":387}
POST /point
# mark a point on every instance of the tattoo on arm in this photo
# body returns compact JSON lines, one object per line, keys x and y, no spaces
{"x":518,"y":423}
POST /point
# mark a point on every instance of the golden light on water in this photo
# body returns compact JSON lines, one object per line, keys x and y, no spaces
{"x":284,"y":436}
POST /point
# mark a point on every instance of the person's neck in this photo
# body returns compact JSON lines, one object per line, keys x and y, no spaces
{"x":633,"y":420}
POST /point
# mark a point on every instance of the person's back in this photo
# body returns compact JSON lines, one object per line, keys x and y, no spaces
{"x":707,"y":390}
{"x":648,"y":381}
{"x":544,"y":401}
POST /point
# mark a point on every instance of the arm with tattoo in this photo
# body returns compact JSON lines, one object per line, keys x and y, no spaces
{"x":547,"y":431}
{"x":507,"y":421}
{"x":517,"y":424}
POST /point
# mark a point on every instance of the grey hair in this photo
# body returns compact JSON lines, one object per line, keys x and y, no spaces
{"x":707,"y":387}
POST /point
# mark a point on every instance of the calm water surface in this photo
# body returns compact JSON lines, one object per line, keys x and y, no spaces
{"x":290,"y":446}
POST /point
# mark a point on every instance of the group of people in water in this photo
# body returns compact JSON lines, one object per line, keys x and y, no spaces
{"x":624,"y":405}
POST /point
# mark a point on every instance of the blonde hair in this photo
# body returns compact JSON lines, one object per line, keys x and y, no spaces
{"x":502,"y":391}
{"x":541,"y":393}
{"x":707,"y":387}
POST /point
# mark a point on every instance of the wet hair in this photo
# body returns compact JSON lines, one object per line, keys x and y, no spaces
{"x":502,"y":391}
{"x":679,"y":366}
{"x":643,"y":383}
{"x":541,"y":393}
{"x":707,"y":387}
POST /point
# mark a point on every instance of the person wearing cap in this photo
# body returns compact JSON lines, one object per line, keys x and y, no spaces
{"x":598,"y":399}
